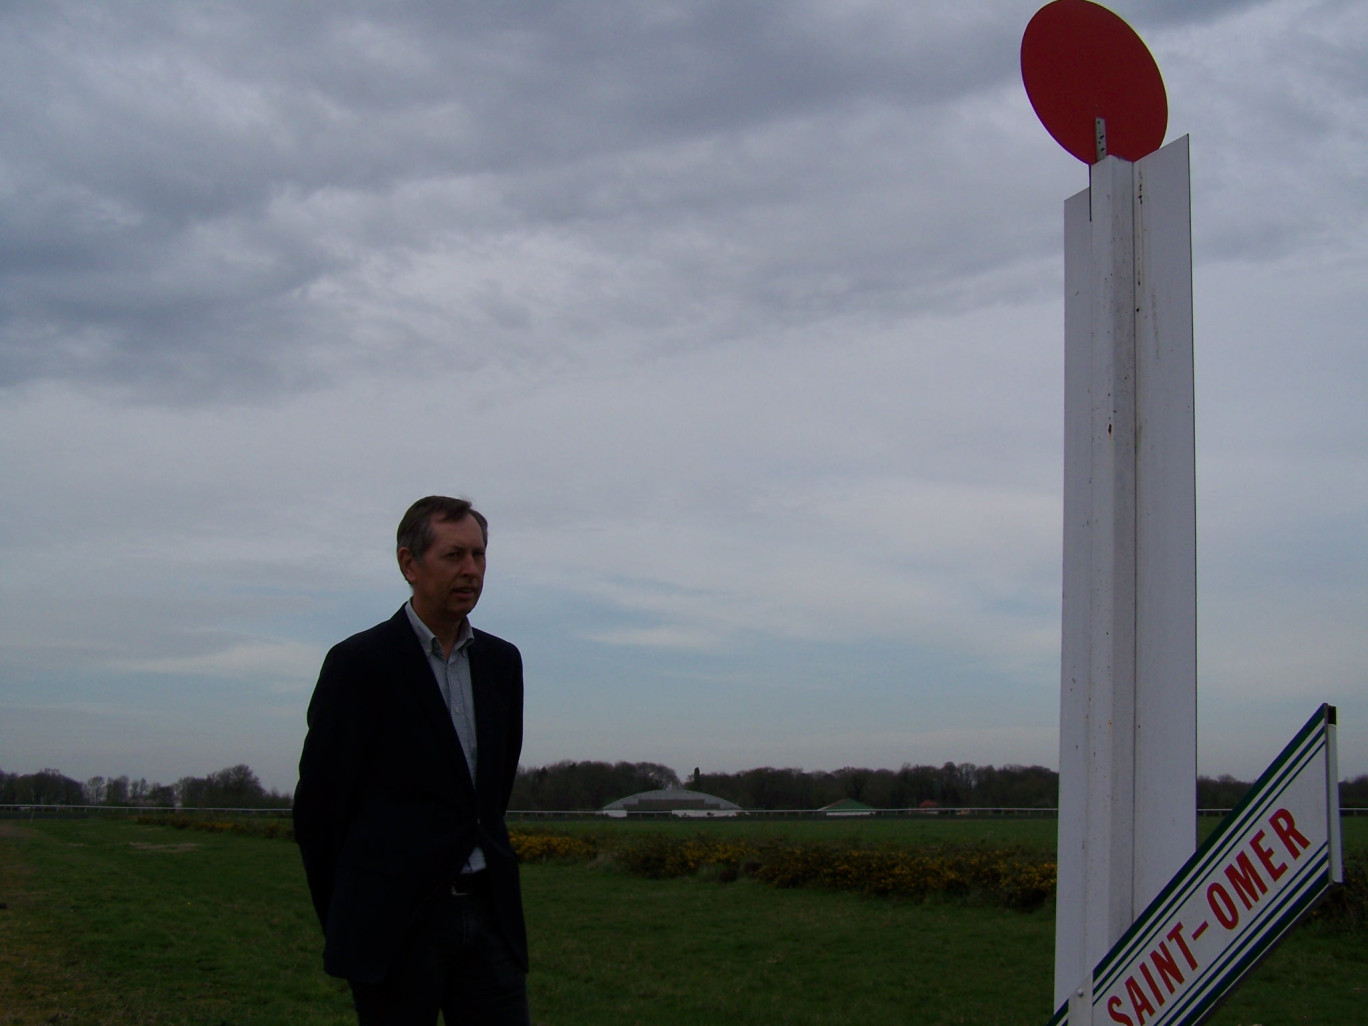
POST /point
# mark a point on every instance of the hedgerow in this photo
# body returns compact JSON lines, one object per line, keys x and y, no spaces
{"x":1346,"y":907}
{"x":1019,"y":878}
{"x":1014,"y":877}
{"x":271,"y":828}
{"x":549,"y":847}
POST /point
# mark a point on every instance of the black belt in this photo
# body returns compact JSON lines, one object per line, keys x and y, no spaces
{"x":470,"y":885}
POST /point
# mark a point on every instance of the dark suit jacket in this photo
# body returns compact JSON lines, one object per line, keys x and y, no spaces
{"x":385,"y":813}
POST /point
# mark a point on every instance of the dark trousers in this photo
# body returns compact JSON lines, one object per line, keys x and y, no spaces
{"x":456,"y":963}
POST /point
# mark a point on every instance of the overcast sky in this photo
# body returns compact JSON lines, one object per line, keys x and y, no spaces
{"x":741,"y":321}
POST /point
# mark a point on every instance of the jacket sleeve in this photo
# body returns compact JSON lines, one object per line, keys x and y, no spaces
{"x":513,"y":749}
{"x":342,"y":719}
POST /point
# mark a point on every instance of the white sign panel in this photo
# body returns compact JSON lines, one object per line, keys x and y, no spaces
{"x":1263,"y":868}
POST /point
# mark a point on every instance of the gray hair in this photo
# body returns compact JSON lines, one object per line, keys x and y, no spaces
{"x":415,"y":529}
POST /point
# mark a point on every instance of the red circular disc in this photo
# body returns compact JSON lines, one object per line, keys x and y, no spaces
{"x":1081,"y":62}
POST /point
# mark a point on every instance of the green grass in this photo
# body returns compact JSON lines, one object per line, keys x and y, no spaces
{"x":623,"y":950}
{"x":1034,"y":832}
{"x":111,"y":922}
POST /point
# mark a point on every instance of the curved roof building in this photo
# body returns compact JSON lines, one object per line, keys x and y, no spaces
{"x":674,"y":801}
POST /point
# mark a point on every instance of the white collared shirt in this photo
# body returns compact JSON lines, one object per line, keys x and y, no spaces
{"x":452,"y":674}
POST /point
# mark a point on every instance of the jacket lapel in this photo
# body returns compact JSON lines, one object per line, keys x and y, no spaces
{"x":485,"y":689}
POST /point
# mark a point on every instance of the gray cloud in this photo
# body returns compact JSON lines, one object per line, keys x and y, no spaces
{"x":185,"y":172}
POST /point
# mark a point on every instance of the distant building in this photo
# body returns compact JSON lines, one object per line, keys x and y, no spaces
{"x":671,"y":801}
{"x":847,"y":807}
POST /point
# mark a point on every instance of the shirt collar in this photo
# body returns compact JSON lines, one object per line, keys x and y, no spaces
{"x":426,"y":636}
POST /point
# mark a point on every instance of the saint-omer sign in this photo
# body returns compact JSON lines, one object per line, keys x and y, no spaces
{"x":1266,"y":866}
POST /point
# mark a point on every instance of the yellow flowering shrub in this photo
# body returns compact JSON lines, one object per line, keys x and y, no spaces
{"x":660,"y":857}
{"x":274,"y":827}
{"x":1016,"y":877}
{"x":547,"y":847}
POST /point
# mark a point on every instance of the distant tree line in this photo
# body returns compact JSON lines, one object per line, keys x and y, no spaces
{"x":1225,"y":791}
{"x":235,"y":787}
{"x":46,"y":787}
{"x":952,"y":785}
{"x":1354,"y":793}
{"x":959,"y":785}
{"x":587,"y":786}
{"x":1221,"y":792}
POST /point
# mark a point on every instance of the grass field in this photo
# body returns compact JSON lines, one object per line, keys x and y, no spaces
{"x":1034,"y":832}
{"x":1003,"y":830}
{"x":111,"y":922}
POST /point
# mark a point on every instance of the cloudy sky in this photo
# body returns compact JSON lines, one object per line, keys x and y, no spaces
{"x":741,"y":321}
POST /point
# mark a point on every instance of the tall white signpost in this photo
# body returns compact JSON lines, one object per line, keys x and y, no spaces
{"x":1128,"y":695}
{"x":1129,"y":880}
{"x":1128,"y":700}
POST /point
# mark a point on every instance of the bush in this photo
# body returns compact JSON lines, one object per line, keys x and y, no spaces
{"x":269,"y":828}
{"x":1346,"y":907}
{"x":548,"y":847}
{"x":1014,"y":877}
{"x":659,"y":857}
{"x":1017,"y":878}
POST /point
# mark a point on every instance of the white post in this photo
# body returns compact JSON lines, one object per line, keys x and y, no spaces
{"x":1128,"y":698}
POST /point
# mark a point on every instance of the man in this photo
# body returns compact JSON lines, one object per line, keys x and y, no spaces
{"x":415,"y":729}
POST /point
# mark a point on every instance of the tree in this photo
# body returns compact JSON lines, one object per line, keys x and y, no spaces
{"x":116,"y":791}
{"x":585,"y":786}
{"x":48,"y":787}
{"x":853,"y":782}
{"x":235,"y":787}
{"x":1354,"y":793}
{"x":1223,"y":792}
{"x":238,"y":787}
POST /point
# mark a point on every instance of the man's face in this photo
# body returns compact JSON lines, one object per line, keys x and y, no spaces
{"x":448,"y":580}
